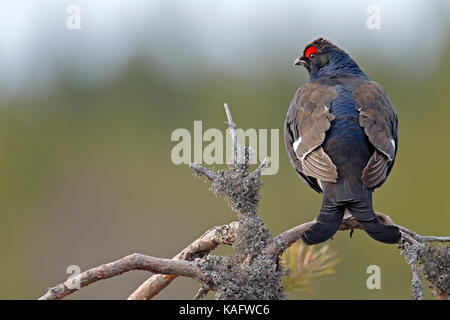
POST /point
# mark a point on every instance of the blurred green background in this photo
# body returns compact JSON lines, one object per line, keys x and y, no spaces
{"x":86,"y":118}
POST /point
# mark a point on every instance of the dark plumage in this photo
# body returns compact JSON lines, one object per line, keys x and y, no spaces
{"x":341,"y":137}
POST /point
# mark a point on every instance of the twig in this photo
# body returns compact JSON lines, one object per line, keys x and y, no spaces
{"x":262,"y":166}
{"x":206,"y":243}
{"x":420,"y":238}
{"x":232,"y":127}
{"x":211,"y":175}
{"x":133,"y":261}
{"x":202,"y":292}
{"x":239,"y":156}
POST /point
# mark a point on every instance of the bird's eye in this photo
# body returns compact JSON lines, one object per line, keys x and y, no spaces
{"x":310,"y":52}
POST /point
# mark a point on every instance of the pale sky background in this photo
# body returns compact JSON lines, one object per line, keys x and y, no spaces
{"x":239,"y":36}
{"x":85,"y":128}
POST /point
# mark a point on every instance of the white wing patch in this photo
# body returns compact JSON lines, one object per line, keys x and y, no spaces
{"x":347,"y":214}
{"x":296,"y":144}
{"x":319,"y":183}
{"x":393,"y":143}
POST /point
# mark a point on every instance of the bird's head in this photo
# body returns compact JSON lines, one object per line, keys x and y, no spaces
{"x":323,"y":58}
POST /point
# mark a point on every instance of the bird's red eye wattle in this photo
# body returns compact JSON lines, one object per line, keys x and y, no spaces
{"x":310,"y":51}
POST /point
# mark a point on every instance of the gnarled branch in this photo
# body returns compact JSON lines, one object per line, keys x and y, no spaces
{"x":200,"y":247}
{"x":133,"y":261}
{"x":256,"y":251}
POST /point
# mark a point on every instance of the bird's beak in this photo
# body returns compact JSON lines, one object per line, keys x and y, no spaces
{"x":299,"y":62}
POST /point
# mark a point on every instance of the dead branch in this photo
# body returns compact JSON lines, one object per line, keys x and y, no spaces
{"x":133,"y":261}
{"x":200,"y":247}
{"x":253,"y":271}
{"x":232,"y":127}
{"x":420,"y":238}
{"x":211,"y":175}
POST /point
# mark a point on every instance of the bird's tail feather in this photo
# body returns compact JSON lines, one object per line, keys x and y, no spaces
{"x":348,"y":194}
{"x":370,"y":223}
{"x":326,"y":225}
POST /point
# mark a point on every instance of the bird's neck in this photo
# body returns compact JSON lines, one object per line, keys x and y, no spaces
{"x":345,"y":66}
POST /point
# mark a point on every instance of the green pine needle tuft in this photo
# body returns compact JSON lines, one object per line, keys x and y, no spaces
{"x":305,"y":263}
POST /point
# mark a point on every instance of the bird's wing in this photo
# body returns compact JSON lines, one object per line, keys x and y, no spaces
{"x":307,"y":121}
{"x":379,"y":119}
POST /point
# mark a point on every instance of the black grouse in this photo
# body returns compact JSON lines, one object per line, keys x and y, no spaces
{"x":341,"y":136}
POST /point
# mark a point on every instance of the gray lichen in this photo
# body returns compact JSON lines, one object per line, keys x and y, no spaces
{"x":247,"y":274}
{"x":434,"y":264}
{"x":239,"y":187}
{"x":256,"y":280}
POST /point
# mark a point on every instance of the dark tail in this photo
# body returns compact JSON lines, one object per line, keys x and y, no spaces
{"x":327,"y":223}
{"x":370,"y":223}
{"x":338,"y":197}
